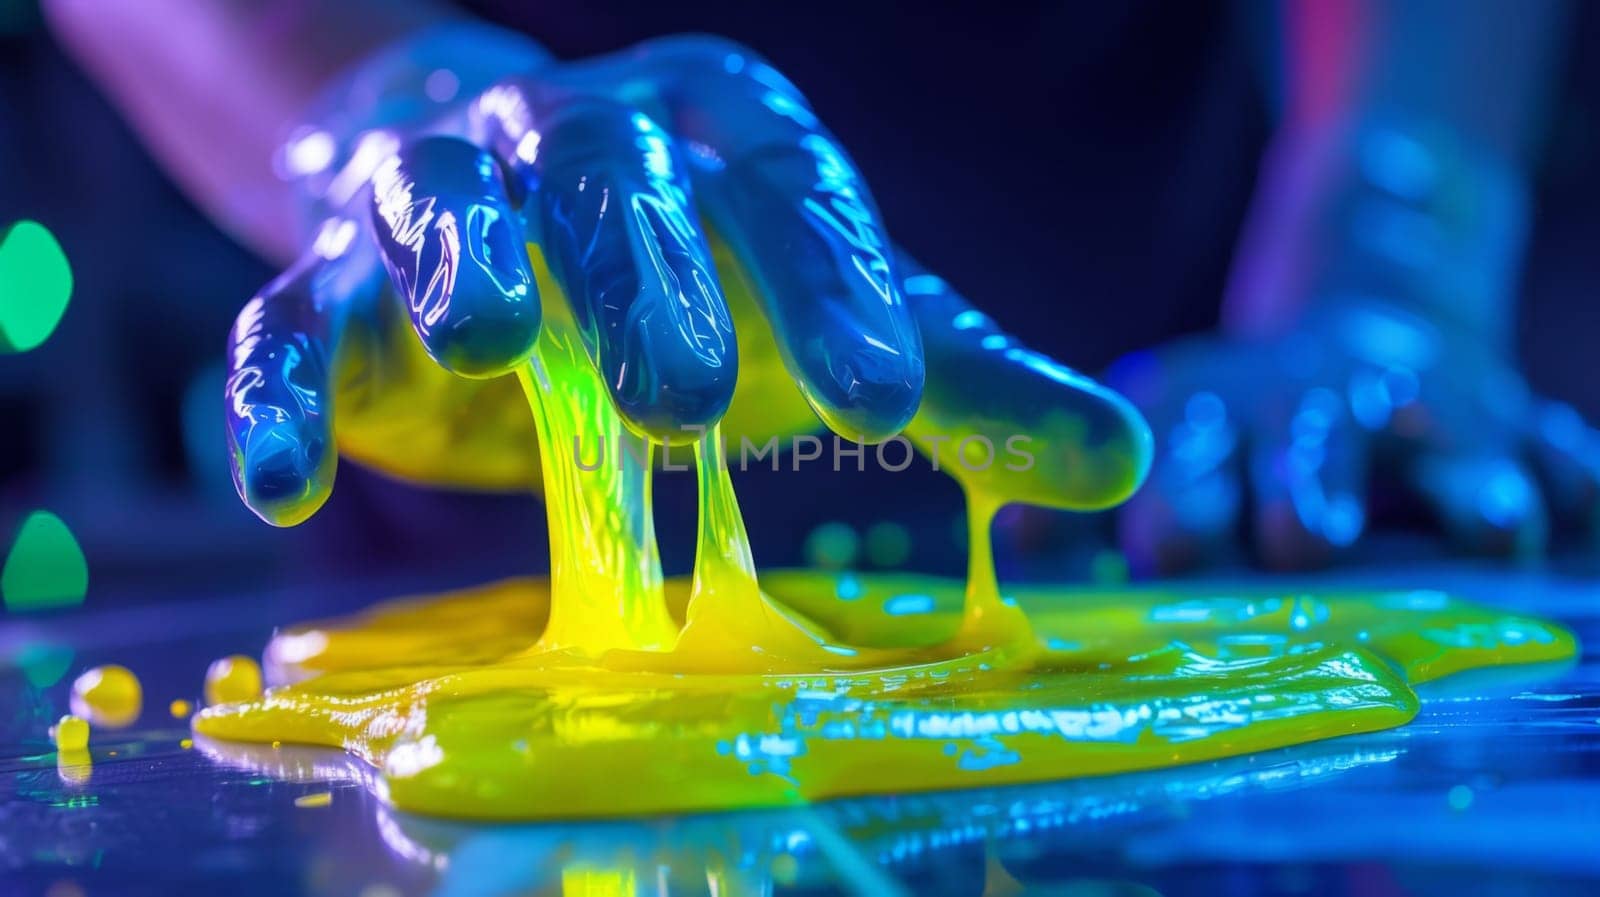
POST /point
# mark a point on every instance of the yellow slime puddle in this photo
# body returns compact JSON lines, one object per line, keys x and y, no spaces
{"x":1124,"y":680}
{"x":607,"y":690}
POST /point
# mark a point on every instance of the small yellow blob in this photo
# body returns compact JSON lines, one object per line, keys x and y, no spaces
{"x":582,"y":878}
{"x":319,"y":799}
{"x":74,"y":767}
{"x":71,"y":733}
{"x":186,"y":743}
{"x":233,"y":679}
{"x":108,"y":695}
{"x":180,"y":709}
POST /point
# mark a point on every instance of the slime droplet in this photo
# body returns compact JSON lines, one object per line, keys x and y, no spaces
{"x":71,"y":734}
{"x":74,"y":768}
{"x":232,"y":679}
{"x":108,"y":695}
{"x":180,"y":709}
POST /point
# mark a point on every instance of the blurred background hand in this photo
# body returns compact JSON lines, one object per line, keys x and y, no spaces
{"x":1365,"y":353}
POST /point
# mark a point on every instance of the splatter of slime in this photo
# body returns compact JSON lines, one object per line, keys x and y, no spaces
{"x":608,"y":690}
{"x":108,"y":695}
{"x":71,"y":734}
{"x":232,"y":678}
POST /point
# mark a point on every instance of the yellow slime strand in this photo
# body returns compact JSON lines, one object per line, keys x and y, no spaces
{"x":605,"y":572}
{"x":987,"y":620}
{"x":730,"y":626}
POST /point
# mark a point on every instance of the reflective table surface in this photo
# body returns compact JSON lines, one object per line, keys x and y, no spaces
{"x":1494,"y":788}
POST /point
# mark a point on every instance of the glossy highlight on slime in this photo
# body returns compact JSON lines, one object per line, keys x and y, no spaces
{"x":534,"y":699}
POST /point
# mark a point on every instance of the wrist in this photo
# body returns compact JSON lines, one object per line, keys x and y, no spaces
{"x":1381,"y":215}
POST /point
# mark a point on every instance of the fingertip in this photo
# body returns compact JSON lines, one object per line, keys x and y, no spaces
{"x":1188,"y":513}
{"x":1106,"y":444}
{"x":284,"y":471}
{"x":1128,"y":435}
{"x":868,"y":391}
{"x":1085,"y":446}
{"x":1294,"y":537}
{"x":1489,"y":505}
{"x":457,"y":255}
{"x":1309,"y":477}
{"x":1566,"y":454}
{"x":671,"y":388}
{"x":1510,"y":518}
{"x":801,"y":221}
{"x":620,"y":231}
{"x":485,"y":345}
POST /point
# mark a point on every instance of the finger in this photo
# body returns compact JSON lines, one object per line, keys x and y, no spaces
{"x":798,"y":215}
{"x":1307,"y":472}
{"x":621,"y":237}
{"x":1013,"y":423}
{"x":1566,"y":454}
{"x":279,"y":396}
{"x":1487,"y":501}
{"x":1189,"y":513}
{"x":457,"y":255}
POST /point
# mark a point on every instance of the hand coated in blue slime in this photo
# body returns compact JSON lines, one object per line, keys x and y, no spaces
{"x":599,"y":165}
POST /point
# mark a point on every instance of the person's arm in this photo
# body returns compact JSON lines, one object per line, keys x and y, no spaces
{"x":212,"y":86}
{"x":1406,"y":128}
{"x":1366,"y":334}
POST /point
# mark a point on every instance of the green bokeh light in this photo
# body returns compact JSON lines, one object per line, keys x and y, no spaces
{"x":45,"y":568}
{"x":43,"y":664}
{"x":1109,"y":567}
{"x":888,"y":544}
{"x":35,"y":284}
{"x":832,"y":546}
